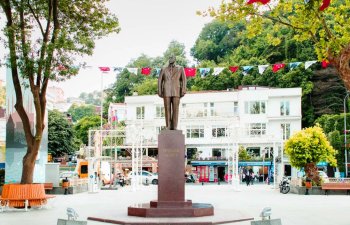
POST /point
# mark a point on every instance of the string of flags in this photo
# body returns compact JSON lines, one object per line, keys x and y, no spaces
{"x":191,"y":72}
{"x":324,"y":5}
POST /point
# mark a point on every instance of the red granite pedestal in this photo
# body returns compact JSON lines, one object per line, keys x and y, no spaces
{"x":171,"y":183}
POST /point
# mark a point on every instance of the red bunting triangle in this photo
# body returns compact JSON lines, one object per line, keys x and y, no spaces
{"x":325,"y":4}
{"x":264,"y":2}
{"x":276,"y":67}
{"x":104,"y":69}
{"x":190,"y":72}
{"x":233,"y":69}
{"x":325,"y":64}
{"x":146,"y":71}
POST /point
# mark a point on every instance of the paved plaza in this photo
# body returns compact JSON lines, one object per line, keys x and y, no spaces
{"x":112,"y":204}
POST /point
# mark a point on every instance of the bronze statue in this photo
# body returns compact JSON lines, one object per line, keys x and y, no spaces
{"x":171,"y":87}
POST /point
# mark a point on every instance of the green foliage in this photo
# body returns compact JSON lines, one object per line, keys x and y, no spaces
{"x":309,"y":145}
{"x":337,"y":142}
{"x":83,"y":126}
{"x":93,"y":98}
{"x":60,"y":134}
{"x":148,"y":87}
{"x":243,"y":154}
{"x":79,"y":111}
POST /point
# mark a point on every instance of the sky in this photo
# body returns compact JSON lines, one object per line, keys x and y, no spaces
{"x":147,"y":26}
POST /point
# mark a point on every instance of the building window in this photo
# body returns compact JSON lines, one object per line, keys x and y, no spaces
{"x":140,"y":112}
{"x":219,"y":131}
{"x":284,"y":108}
{"x":235,"y":109}
{"x":256,"y":129}
{"x":285,"y":128}
{"x":159,"y":129}
{"x":195,"y":131}
{"x":160,"y":112}
{"x":218,"y":152}
{"x":255,"y":107}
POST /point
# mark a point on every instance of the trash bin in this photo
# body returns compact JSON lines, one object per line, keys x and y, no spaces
{"x":65,"y":185}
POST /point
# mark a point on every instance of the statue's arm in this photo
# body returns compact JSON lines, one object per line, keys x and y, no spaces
{"x":183,"y":82}
{"x":160,"y":83}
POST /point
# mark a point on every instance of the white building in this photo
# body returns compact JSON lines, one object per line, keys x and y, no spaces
{"x":116,"y":112}
{"x":257,"y":118}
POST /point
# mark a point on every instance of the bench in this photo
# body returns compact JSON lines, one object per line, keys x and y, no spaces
{"x":23,"y":196}
{"x":48,"y":187}
{"x":336,"y":186}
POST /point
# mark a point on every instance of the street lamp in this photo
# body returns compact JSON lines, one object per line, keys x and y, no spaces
{"x":346,"y":155}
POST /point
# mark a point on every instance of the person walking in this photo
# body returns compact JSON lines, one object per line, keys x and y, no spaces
{"x":247,"y":178}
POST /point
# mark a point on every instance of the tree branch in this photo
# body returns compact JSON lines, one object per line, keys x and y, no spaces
{"x":36,"y":18}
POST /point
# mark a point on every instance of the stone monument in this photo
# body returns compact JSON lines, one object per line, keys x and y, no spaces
{"x":171,"y":155}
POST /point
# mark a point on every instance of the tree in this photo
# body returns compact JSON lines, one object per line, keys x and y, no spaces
{"x":43,"y":38}
{"x":328,"y":29}
{"x":93,"y":98}
{"x":147,"y":87}
{"x":243,"y":154}
{"x":79,"y":111}
{"x":61,"y":136}
{"x":308,"y":147}
{"x":83,"y":126}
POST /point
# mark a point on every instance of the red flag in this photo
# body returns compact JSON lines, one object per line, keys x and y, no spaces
{"x":190,"y":72}
{"x":264,"y":2}
{"x":233,"y":68}
{"x":104,"y":69}
{"x":325,"y":64}
{"x":277,"y":67}
{"x":146,"y":71}
{"x":61,"y":68}
{"x":325,"y":4}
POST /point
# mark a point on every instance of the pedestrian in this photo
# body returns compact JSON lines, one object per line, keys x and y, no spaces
{"x":247,"y":178}
{"x":252,"y":177}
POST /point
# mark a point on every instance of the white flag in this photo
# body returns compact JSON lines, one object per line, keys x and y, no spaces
{"x":262,"y":68}
{"x":309,"y":63}
{"x":217,"y":70}
{"x":132,"y":70}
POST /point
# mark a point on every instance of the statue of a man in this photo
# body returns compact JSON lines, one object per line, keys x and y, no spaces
{"x":171,"y":87}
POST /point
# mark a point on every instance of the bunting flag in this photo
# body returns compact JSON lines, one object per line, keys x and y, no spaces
{"x":246,"y":69}
{"x":264,"y":2}
{"x":325,"y":4}
{"x":217,"y":70}
{"x":132,"y":70}
{"x":146,"y":71}
{"x":118,"y":69}
{"x":325,"y":64}
{"x":309,"y":63}
{"x":204,"y":72}
{"x":157,"y":71}
{"x":104,"y":69}
{"x":233,"y":68}
{"x":276,"y":67}
{"x":294,"y":65}
{"x":61,"y":68}
{"x":190,"y":72}
{"x":262,"y":68}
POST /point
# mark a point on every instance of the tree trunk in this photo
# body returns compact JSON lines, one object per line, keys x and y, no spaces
{"x":29,"y":162}
{"x":311,"y":172}
{"x":342,"y":63}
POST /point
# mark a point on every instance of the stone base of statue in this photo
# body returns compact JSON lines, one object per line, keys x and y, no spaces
{"x":171,"y":183}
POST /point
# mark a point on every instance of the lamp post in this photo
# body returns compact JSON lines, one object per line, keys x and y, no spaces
{"x":346,"y":155}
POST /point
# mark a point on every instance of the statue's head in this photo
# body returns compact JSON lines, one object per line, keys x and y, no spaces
{"x":172,"y":59}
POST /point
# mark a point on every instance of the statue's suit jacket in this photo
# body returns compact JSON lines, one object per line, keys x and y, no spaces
{"x":172,"y":82}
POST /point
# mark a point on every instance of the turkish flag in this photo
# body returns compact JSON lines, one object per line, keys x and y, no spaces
{"x":325,"y":4}
{"x":146,"y":71}
{"x":325,"y":64}
{"x":277,"y":67}
{"x":233,"y":68}
{"x":190,"y":72}
{"x":104,"y":69}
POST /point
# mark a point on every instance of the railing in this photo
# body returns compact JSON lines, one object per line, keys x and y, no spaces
{"x":338,"y":180}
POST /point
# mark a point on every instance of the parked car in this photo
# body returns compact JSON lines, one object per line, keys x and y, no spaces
{"x":323,"y":175}
{"x":147,"y":177}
